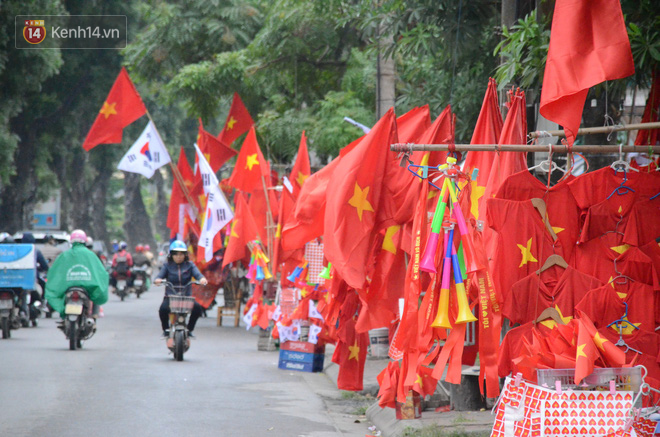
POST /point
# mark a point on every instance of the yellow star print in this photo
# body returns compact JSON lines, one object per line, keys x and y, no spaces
{"x":418,"y":381}
{"x":526,"y":253}
{"x":231,"y":122}
{"x":233,"y":227}
{"x":301,"y":178}
{"x":355,"y":351}
{"x":557,"y":229}
{"x":476,"y":194}
{"x":551,"y":323}
{"x":388,"y":243}
{"x":580,"y":351}
{"x":620,"y":249}
{"x":251,"y":161}
{"x":626,"y":328}
{"x":108,"y":109}
{"x":359,"y":200}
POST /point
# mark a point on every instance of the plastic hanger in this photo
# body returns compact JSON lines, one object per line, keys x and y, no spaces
{"x":621,"y":164}
{"x":548,"y":165}
{"x":618,"y":276}
{"x":550,"y":313}
{"x":553,"y":260}
{"x":619,"y":324}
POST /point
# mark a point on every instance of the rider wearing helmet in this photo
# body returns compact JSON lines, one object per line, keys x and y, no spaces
{"x":77,"y":266}
{"x":140,"y":259}
{"x":179,"y":271}
{"x":148,"y":253}
{"x":50,"y":249}
{"x":122,"y":262}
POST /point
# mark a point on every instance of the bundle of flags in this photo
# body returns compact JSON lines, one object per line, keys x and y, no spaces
{"x":258,"y":267}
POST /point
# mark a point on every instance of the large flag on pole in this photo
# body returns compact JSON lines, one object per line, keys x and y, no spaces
{"x":215,"y":151}
{"x":122,"y":107}
{"x":251,"y":170}
{"x":179,"y":205}
{"x":588,"y":45}
{"x":147,"y":154}
{"x":238,"y":122}
{"x":217,"y":212}
{"x":301,"y":170}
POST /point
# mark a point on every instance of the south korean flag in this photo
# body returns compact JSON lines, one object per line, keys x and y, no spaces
{"x":146,"y":155}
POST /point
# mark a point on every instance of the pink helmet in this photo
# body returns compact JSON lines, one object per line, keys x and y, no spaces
{"x":78,"y":236}
{"x":146,"y":247}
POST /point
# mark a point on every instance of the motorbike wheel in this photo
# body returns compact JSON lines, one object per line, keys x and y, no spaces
{"x":122,"y":295}
{"x":35,"y":323}
{"x":6,"y":332}
{"x":73,"y":335}
{"x":179,"y":345}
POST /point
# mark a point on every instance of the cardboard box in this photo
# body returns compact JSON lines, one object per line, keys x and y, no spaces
{"x":411,"y":409}
{"x":301,"y":361}
{"x":303,"y":346}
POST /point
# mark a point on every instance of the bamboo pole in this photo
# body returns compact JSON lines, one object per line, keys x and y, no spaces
{"x":601,"y":149}
{"x":597,"y":130}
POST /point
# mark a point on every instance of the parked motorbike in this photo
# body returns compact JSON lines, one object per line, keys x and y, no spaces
{"x":9,"y":311}
{"x":141,"y":280}
{"x":181,"y":305}
{"x":79,"y":323}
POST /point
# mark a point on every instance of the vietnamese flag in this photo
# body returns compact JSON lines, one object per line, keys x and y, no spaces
{"x":354,"y":200}
{"x":585,"y":354}
{"x":351,"y":350}
{"x":238,"y":121}
{"x":251,"y":170}
{"x":214,"y":150}
{"x":243,"y":230}
{"x":259,"y":208}
{"x":588,"y":45}
{"x":279,"y":254}
{"x":301,"y":170}
{"x":178,"y":198}
{"x":122,"y":107}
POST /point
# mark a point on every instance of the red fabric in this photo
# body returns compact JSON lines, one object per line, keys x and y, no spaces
{"x":259,"y":209}
{"x":563,"y":212}
{"x":594,"y":187}
{"x":122,"y":107}
{"x":388,"y":380}
{"x":353,"y":203}
{"x":280,"y":255}
{"x":651,"y":137}
{"x":243,"y":229}
{"x":596,"y":258}
{"x":652,"y":250}
{"x":555,"y":288}
{"x":177,"y":196}
{"x":607,"y":216}
{"x":306,"y":221}
{"x":606,"y":304}
{"x":251,"y":170}
{"x":301,"y":170}
{"x":585,"y":355}
{"x":643,"y":224}
{"x":513,"y":344}
{"x":215,"y":151}
{"x":523,"y":244}
{"x":588,"y":45}
{"x":351,"y":350}
{"x":612,"y":356}
{"x":238,"y":121}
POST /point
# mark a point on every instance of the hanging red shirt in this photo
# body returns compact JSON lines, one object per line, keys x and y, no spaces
{"x":608,"y":215}
{"x":643,"y":226}
{"x":523,"y":243}
{"x":554,"y":288}
{"x":652,"y":250}
{"x":606,"y":304}
{"x":513,"y":343}
{"x":563,"y":211}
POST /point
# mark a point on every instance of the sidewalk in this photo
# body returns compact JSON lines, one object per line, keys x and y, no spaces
{"x":477,"y":423}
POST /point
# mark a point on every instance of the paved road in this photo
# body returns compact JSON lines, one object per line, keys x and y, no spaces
{"x":125,"y":383}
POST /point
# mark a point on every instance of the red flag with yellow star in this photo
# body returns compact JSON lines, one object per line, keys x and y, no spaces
{"x":178,"y":200}
{"x":301,"y":170}
{"x":585,"y":354}
{"x":351,"y":350}
{"x":243,"y":229}
{"x":122,"y":107}
{"x":251,"y":167}
{"x":238,"y":121}
{"x":215,"y":151}
{"x":353,"y":202}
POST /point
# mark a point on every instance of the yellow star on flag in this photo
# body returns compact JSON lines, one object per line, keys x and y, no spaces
{"x":620,"y":249}
{"x":233,"y":229}
{"x":108,"y":109}
{"x":301,"y":178}
{"x":355,"y":351}
{"x":526,"y":253}
{"x":251,"y":161}
{"x":231,"y":122}
{"x":476,"y":194}
{"x":557,"y":229}
{"x":359,"y":200}
{"x":600,"y":341}
{"x":418,"y":381}
{"x":580,"y":351}
{"x":388,"y":243}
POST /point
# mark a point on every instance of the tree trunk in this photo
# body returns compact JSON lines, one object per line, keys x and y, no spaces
{"x":137,"y":226}
{"x":98,"y":195}
{"x":162,"y":207}
{"x":385,"y":80}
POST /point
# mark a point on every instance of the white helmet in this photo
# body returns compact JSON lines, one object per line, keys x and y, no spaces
{"x":78,"y":236}
{"x":89,"y":242}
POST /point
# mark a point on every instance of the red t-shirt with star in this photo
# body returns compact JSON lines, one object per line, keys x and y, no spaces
{"x":608,"y":215}
{"x":523,"y":244}
{"x":643,"y":226}
{"x":513,"y":343}
{"x":554,"y":288}
{"x":606,"y":304}
{"x":563,"y":211}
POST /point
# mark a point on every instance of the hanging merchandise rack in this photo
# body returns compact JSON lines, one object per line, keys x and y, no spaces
{"x":597,"y":130}
{"x":602,"y":149}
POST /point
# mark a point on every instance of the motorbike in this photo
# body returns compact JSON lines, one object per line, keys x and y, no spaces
{"x":122,"y":289}
{"x":9,"y":311}
{"x":181,"y":305}
{"x":79,"y":323}
{"x":140,"y":283}
{"x":35,"y":308}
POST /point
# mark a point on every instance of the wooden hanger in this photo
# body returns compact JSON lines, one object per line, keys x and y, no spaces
{"x":550,"y":313}
{"x":553,"y":260}
{"x":539,"y":204}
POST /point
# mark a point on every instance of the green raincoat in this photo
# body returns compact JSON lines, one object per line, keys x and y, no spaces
{"x":77,"y":266}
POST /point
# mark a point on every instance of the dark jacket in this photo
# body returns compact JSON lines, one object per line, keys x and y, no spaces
{"x":42,"y":264}
{"x":179,"y":274}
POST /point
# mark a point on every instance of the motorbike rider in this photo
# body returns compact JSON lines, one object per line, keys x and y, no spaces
{"x":122,"y":262}
{"x":140,"y":258}
{"x":77,"y":266}
{"x":148,"y":253}
{"x":179,"y":271}
{"x":42,"y":267}
{"x":50,"y":249}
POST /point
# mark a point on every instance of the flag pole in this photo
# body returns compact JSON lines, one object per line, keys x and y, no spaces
{"x":560,"y":148}
{"x":176,"y":172}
